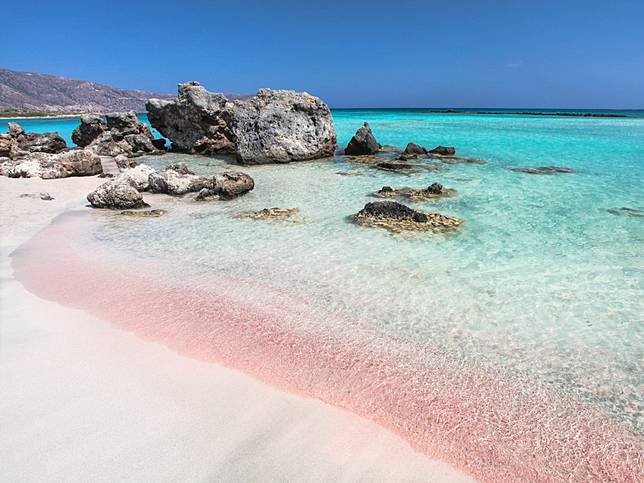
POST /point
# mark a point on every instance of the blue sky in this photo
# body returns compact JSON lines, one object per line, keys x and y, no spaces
{"x":400,"y":53}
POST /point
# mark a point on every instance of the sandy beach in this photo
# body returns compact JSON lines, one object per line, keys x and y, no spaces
{"x":88,"y":402}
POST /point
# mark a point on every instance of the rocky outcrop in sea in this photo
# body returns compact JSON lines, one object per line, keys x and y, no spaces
{"x":274,"y":126}
{"x":119,"y":134}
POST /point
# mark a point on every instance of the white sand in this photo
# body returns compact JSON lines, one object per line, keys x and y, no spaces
{"x":83,"y":401}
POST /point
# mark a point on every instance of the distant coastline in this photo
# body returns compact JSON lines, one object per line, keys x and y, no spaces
{"x":591,"y":113}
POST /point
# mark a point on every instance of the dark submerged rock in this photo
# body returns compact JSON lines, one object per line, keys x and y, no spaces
{"x":397,"y":167}
{"x":398,"y":217}
{"x":544,"y":170}
{"x":443,"y":151}
{"x":277,"y":214}
{"x":80,"y":162}
{"x":626,"y":211}
{"x":362,"y":143}
{"x":435,"y":188}
{"x":143,"y":213}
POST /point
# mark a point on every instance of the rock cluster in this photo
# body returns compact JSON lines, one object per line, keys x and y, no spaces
{"x":18,"y":143}
{"x":432,"y":192}
{"x":274,"y":126}
{"x":276,"y":214}
{"x":49,"y":166}
{"x":124,"y":191}
{"x":120,"y":134}
{"x":398,"y":217}
{"x":362,"y":143}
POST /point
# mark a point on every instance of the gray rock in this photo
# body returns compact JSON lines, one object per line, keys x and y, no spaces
{"x":80,"y":162}
{"x":173,"y":183}
{"x":6,"y":146}
{"x":77,"y":162}
{"x":227,"y":185}
{"x":270,"y":127}
{"x":181,"y":168}
{"x":116,"y":194}
{"x":138,"y":176}
{"x":123,"y":162}
{"x":198,"y":121}
{"x":121,"y":124}
{"x":121,"y":134}
{"x":15,"y":129}
{"x":38,"y":165}
{"x":21,"y":143}
{"x":282,"y":126}
{"x":90,"y":128}
{"x":139,"y":143}
{"x":362,"y":143}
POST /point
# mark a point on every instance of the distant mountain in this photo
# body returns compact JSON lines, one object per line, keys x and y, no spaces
{"x":27,"y":92}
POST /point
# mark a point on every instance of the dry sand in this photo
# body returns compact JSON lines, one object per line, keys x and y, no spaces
{"x":83,"y":401}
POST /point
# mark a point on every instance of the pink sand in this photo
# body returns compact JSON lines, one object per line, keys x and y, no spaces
{"x":491,"y":425}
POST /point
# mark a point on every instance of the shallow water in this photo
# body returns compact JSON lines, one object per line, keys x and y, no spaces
{"x":541,"y":284}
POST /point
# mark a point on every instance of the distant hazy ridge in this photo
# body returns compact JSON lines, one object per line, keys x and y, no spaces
{"x":26,"y":92}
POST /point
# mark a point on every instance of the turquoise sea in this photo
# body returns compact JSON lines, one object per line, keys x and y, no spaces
{"x":543,"y":281}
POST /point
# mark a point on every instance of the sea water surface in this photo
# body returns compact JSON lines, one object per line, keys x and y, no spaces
{"x":525,"y":326}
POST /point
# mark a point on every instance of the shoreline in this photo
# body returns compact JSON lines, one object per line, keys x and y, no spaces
{"x":75,"y":377}
{"x":454,"y":395}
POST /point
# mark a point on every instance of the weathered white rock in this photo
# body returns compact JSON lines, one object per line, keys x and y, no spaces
{"x":174,"y":183}
{"x":116,"y":194}
{"x":137,"y":176}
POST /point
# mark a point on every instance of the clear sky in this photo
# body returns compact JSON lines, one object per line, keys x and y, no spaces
{"x":396,"y":53}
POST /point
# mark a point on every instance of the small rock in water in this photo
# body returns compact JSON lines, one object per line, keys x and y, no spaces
{"x":413,"y":151}
{"x":433,"y":192}
{"x":455,"y":160}
{"x":626,"y":211}
{"x":283,"y":214}
{"x":349,"y":173}
{"x":443,"y":151}
{"x":362,"y":143}
{"x":397,"y":217}
{"x":435,"y":188}
{"x":397,"y":167}
{"x":544,"y":170}
{"x":144,"y":213}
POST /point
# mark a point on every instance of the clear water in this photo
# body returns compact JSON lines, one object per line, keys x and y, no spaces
{"x":541,"y":281}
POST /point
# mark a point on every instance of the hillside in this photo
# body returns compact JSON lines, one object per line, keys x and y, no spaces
{"x":30,"y":93}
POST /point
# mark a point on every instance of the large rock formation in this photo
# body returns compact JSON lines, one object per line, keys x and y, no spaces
{"x":270,"y":127}
{"x":362,"y":143}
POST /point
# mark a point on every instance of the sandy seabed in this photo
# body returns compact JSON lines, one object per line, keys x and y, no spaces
{"x":84,"y":401}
